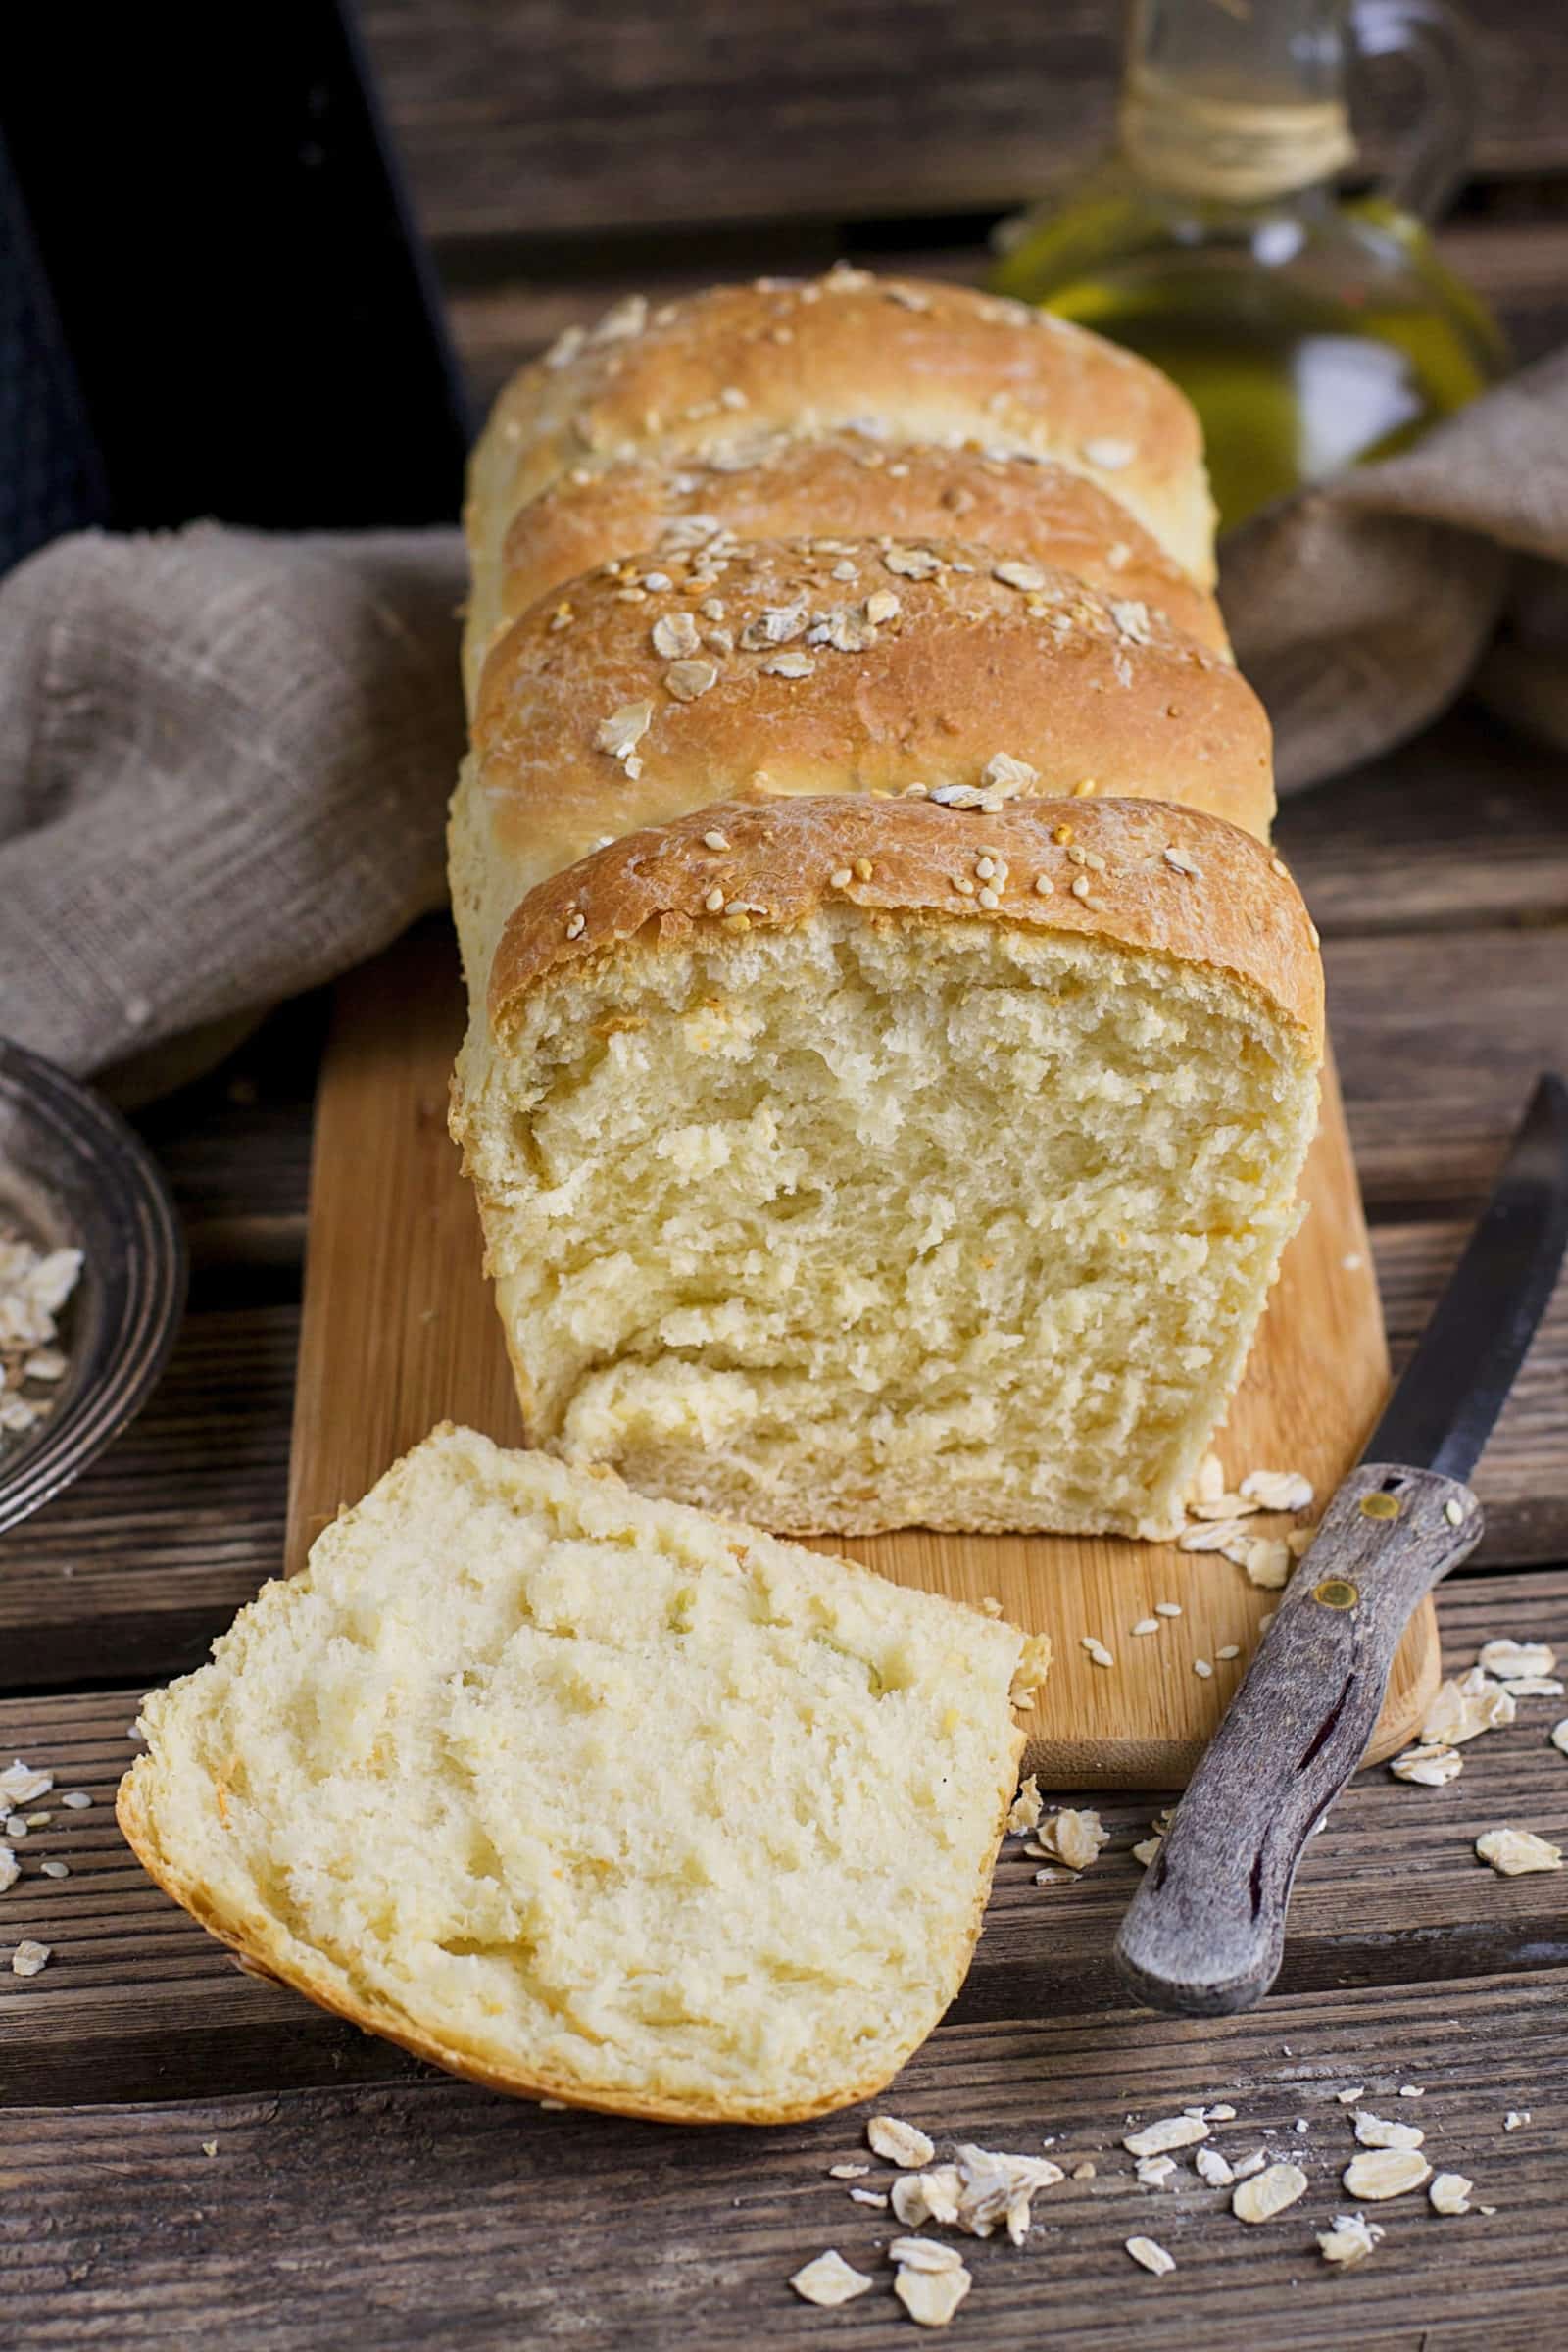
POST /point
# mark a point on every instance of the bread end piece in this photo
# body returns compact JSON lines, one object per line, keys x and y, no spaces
{"x":592,"y":1798}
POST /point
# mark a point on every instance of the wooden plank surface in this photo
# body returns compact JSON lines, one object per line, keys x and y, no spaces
{"x":399,"y":1334}
{"x":431,"y":2212}
{"x":139,"y":2000}
{"x":528,"y":118}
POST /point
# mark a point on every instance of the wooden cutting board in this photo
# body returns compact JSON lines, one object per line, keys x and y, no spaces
{"x":399,"y":1333}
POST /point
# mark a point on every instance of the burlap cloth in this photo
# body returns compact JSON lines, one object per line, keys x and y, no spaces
{"x":224,"y":758}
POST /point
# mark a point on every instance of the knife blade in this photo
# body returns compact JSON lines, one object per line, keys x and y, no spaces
{"x":1205,"y":1933}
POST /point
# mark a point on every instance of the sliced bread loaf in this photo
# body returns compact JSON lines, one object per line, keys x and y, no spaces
{"x":857,"y":1163}
{"x":593,"y":1798}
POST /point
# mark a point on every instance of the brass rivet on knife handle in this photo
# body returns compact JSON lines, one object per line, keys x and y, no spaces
{"x":1379,"y":1506}
{"x":1337,"y":1593}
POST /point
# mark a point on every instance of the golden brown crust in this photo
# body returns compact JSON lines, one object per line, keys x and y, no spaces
{"x":918,"y":360}
{"x":1222,"y":900}
{"x":829,"y":666}
{"x":852,"y":486}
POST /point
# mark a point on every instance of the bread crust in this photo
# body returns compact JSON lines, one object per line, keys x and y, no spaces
{"x":826,"y":665}
{"x":920,"y":359}
{"x":843,"y":483}
{"x":1229,"y":903}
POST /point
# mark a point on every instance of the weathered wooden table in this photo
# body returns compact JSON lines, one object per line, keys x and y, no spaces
{"x":189,"y":2157}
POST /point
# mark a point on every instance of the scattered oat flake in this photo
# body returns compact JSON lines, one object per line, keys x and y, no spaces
{"x":1025,"y":1810}
{"x":54,"y":1870}
{"x":209,"y":2147}
{"x":77,"y":1799}
{"x":1154,"y":2170}
{"x":1411,"y":2091}
{"x":829,"y":2279}
{"x":10,"y":1867}
{"x":1514,"y":1852}
{"x":1202,"y":1669}
{"x":1212,"y":2169}
{"x":900,"y":2143}
{"x":1146,"y":1625}
{"x":1516,"y":2119}
{"x":925,"y":2254}
{"x":624,"y":728}
{"x":1209,"y":1479}
{"x":1074,"y":1837}
{"x":869,"y":2196}
{"x":1267,"y":1561}
{"x":29,"y":1958}
{"x":1348,"y":2098}
{"x":19,"y":1784}
{"x":1171,"y":2131}
{"x":1278,"y":1490}
{"x":1449,"y":2192}
{"x":1348,"y":2239}
{"x":1462,"y":1711}
{"x":1208,"y":1535}
{"x":1534,"y":1685}
{"x":931,"y":2297}
{"x":848,"y":2172}
{"x":1373,"y":2133}
{"x":1559,"y":1736}
{"x":987,"y":2187}
{"x":1223,"y":1506}
{"x":1430,"y":1767}
{"x":1097,"y":1649}
{"x":1386,"y":2173}
{"x":1505,"y":1659}
{"x":1146,"y":1848}
{"x":931,"y":2196}
{"x":1167,"y":1608}
{"x":1266,"y":2193}
{"x":1083,"y":2172}
{"x":1154,"y":2258}
{"x":674,"y":636}
{"x":1244,"y":2167}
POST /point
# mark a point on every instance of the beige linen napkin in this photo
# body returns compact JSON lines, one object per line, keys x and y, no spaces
{"x":224,"y":758}
{"x":1359,"y":610}
{"x":224,"y":762}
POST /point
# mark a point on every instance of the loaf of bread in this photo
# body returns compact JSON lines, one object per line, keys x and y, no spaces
{"x":904,"y":1126}
{"x":590,"y":1797}
{"x":850,"y":1164}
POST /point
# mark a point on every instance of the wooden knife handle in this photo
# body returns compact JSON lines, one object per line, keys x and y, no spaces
{"x":1206,"y":1931}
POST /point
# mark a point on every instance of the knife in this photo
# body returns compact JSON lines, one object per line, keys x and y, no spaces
{"x":1206,"y":1931}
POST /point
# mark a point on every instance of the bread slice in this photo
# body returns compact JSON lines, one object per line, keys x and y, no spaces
{"x":853,"y":1163}
{"x":767,"y":670}
{"x":846,"y":485}
{"x":592,"y":1797}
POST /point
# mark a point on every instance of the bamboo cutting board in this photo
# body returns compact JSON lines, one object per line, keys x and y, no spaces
{"x":399,"y":1333}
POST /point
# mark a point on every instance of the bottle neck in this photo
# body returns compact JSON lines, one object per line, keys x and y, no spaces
{"x":1234,"y":101}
